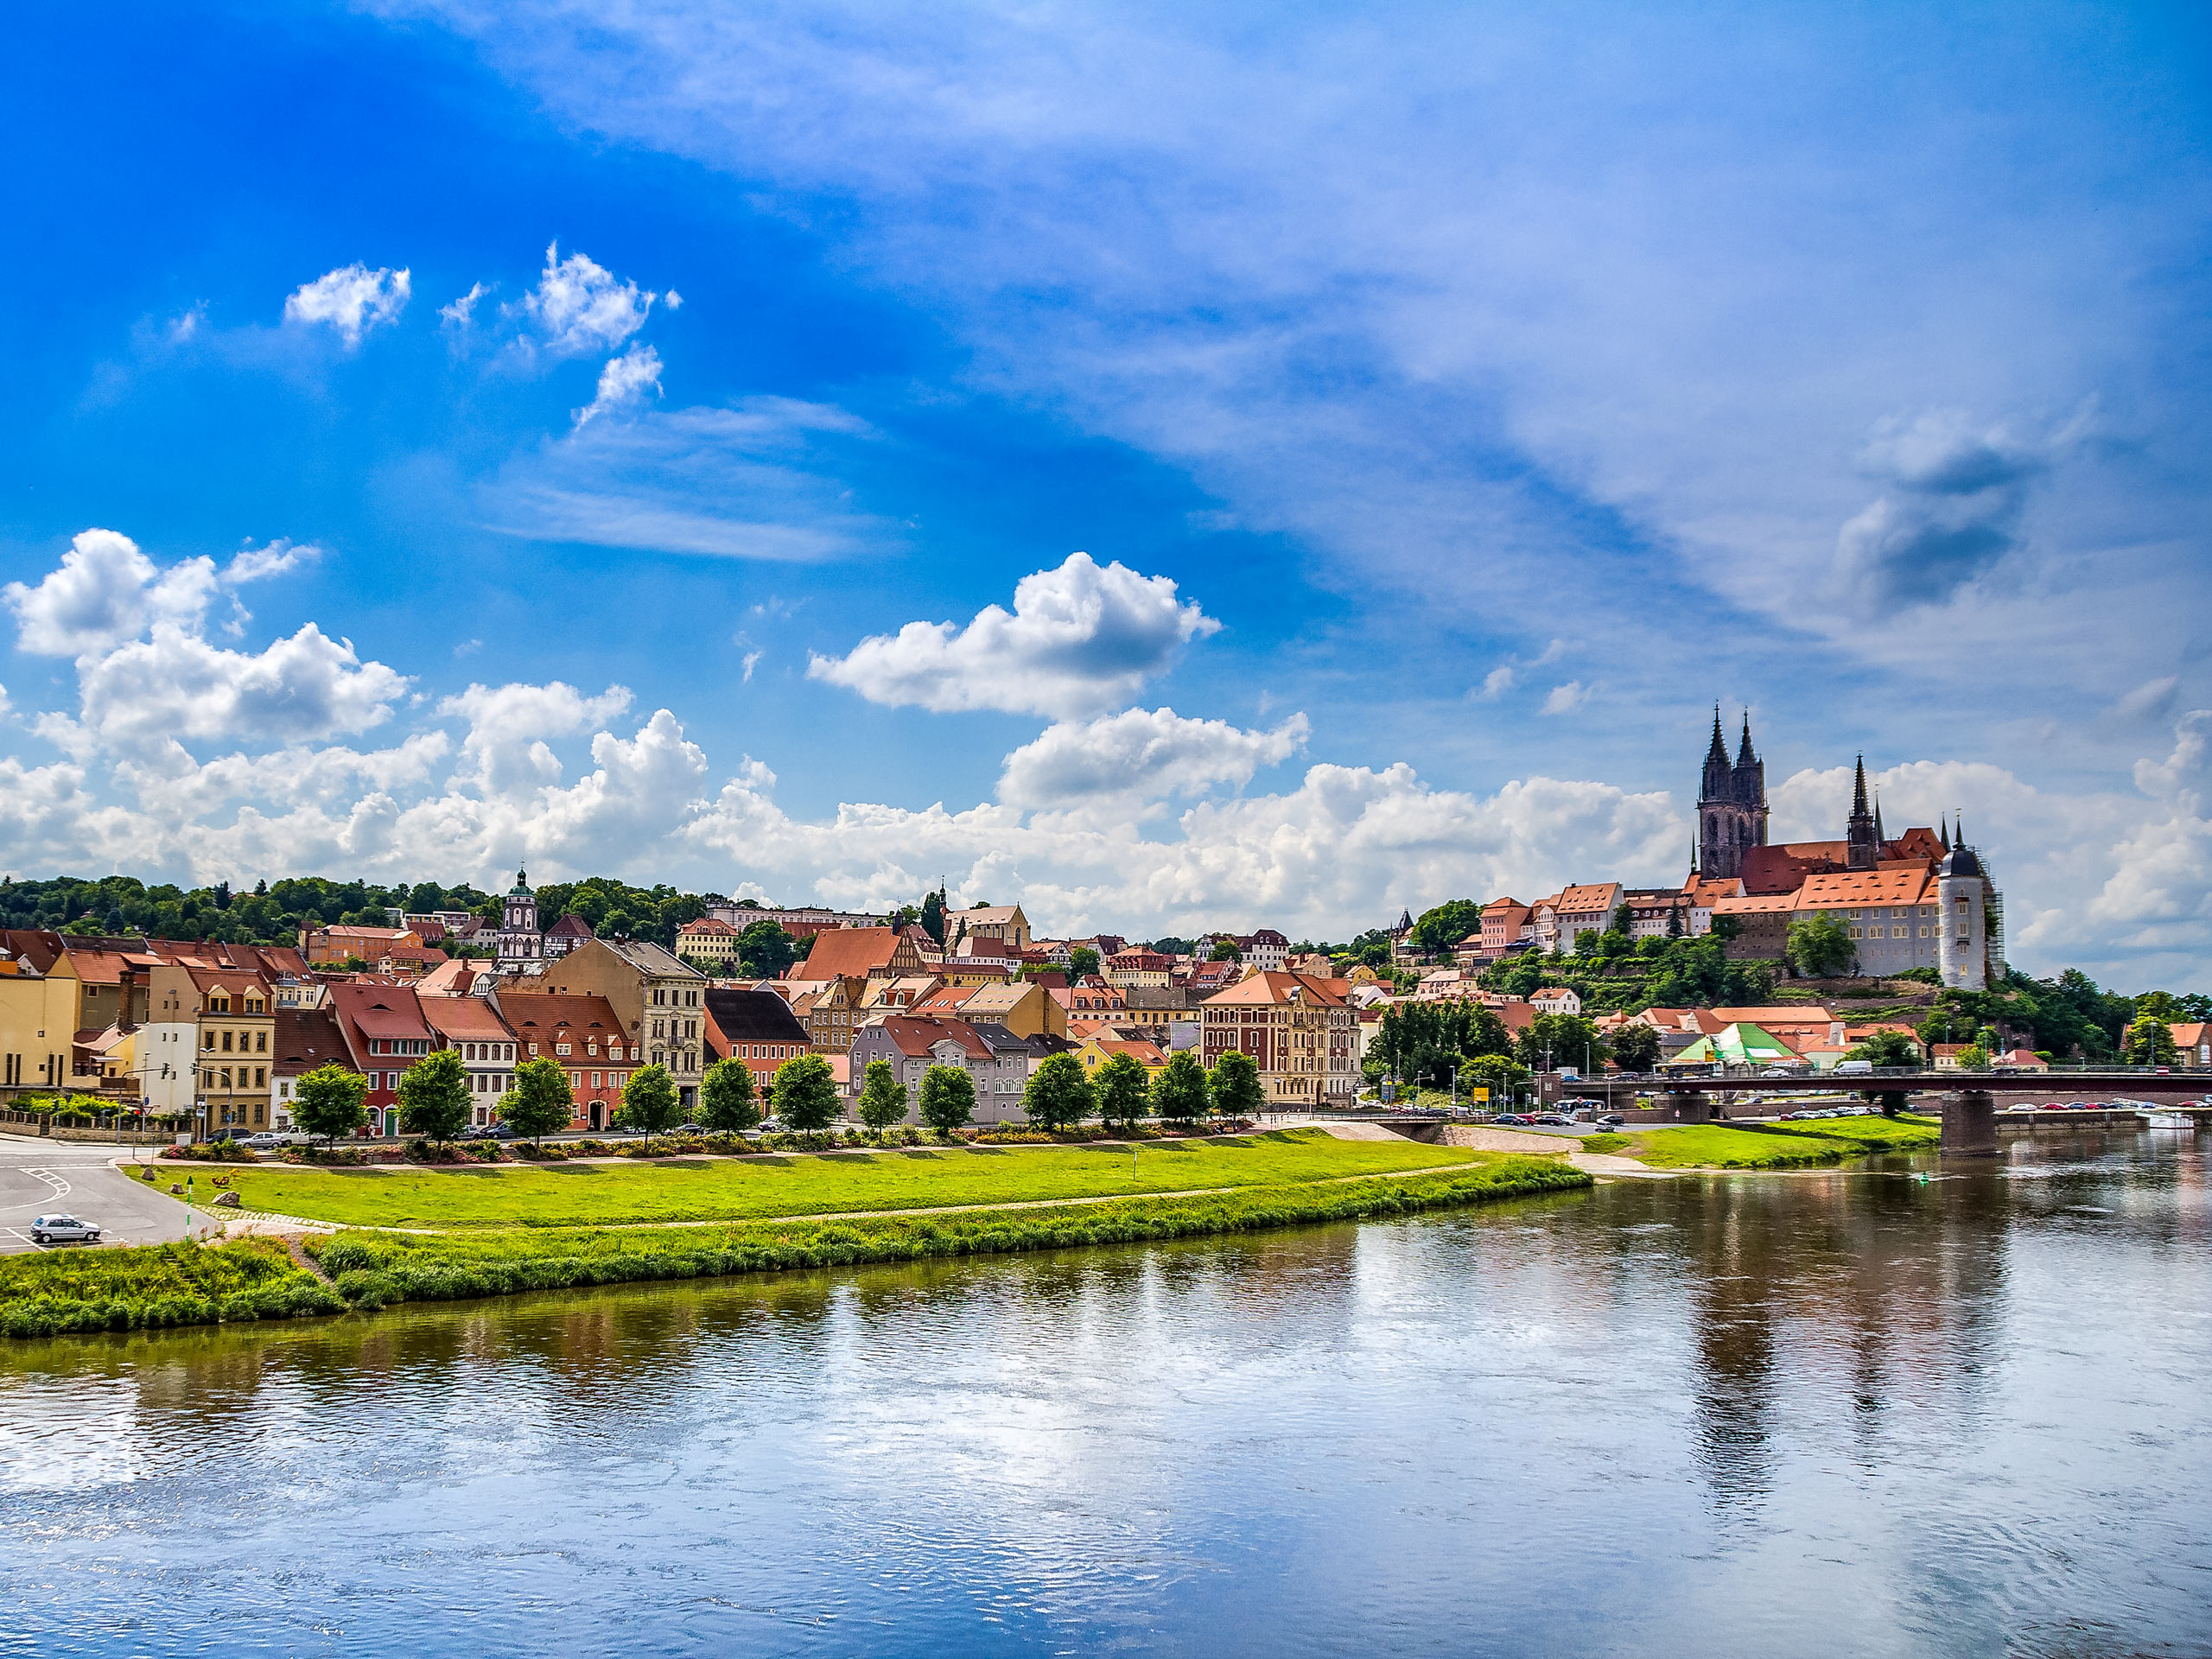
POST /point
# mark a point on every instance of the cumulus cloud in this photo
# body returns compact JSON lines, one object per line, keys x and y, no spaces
{"x":1499,"y":681}
{"x":105,"y":591}
{"x":579,"y":306}
{"x":624,"y":382}
{"x":352,"y":301}
{"x":459,"y":314}
{"x":278,"y":558}
{"x":1566,"y":699}
{"x":176,"y":685}
{"x":506,"y":751}
{"x":1149,"y":754}
{"x":1080,"y":638}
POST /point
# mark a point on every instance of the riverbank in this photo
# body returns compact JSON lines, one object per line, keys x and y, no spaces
{"x":1815,"y":1144}
{"x":766,"y":1186}
{"x":257,"y":1279}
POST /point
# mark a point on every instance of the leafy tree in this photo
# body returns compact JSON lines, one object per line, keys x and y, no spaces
{"x":649,"y":1101}
{"x":1235,"y":1086}
{"x":1057,"y":1094}
{"x":1425,"y":1042}
{"x":1436,"y":932}
{"x":764,"y":950}
{"x":883,"y":1101}
{"x":729,"y":1098}
{"x":1974,"y":1058}
{"x":1496,"y":1073}
{"x":331,"y":1101}
{"x":1082,"y":960}
{"x":434,"y":1096}
{"x":2162,"y":1006}
{"x":1623,"y":922}
{"x":1886,"y":1049}
{"x":2150,"y":1042}
{"x":1178,"y":1093}
{"x":541,"y":1102}
{"x":1819,"y":948}
{"x":947,"y":1099}
{"x":1122,"y":1088}
{"x":1171,"y":946}
{"x":1635,"y":1047}
{"x":1557,"y":1040}
{"x":1225,"y":951}
{"x":806,"y":1094}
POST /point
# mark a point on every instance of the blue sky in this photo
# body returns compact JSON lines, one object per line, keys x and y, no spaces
{"x":1452,"y":404}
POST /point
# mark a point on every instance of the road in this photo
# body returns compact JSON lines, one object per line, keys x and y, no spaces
{"x":38,"y":1177}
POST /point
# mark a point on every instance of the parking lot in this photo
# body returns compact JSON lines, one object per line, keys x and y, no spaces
{"x":39,"y":1177}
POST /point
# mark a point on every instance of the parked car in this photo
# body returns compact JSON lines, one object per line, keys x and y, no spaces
{"x":1511,"y":1117}
{"x":480,"y":1132}
{"x":54,"y":1230}
{"x":265,"y":1141}
{"x":770,"y":1125}
{"x":687,"y":1128}
{"x":1611,"y":1121}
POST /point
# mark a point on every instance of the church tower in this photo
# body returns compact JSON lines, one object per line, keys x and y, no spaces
{"x":519,"y":939}
{"x":1731,"y":803}
{"x":1862,"y":840}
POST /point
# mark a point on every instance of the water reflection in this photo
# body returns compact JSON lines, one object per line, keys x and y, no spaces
{"x":1868,"y":1410}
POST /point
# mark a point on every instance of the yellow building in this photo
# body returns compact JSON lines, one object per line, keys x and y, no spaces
{"x":38,"y":1022}
{"x":1096,"y":1051}
{"x":236,"y":1016}
{"x":707,"y":941}
{"x":1023,"y":1006}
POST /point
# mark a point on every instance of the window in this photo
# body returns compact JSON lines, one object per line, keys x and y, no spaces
{"x":261,"y":1042}
{"x":561,"y":1048}
{"x":261,"y":1077}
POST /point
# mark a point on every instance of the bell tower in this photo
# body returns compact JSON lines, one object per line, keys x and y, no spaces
{"x":1862,"y":840}
{"x":1732,"y":808}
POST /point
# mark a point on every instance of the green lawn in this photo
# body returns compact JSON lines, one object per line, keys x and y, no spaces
{"x":813,"y":1184}
{"x":1781,"y":1146}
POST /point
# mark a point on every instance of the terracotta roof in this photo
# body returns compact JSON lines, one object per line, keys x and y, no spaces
{"x":1275,"y":988}
{"x":464,"y":1019}
{"x":379,"y":1010}
{"x":915,"y":1037}
{"x":535,"y":1016}
{"x":1138,"y":1050}
{"x":861,"y":951}
{"x":570,"y":927}
{"x":1891,"y":884}
{"x":1594,"y":896}
{"x":306,"y":1039}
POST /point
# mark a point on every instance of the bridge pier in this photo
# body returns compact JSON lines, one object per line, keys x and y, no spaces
{"x":1687,"y":1105}
{"x":1970,"y":1123}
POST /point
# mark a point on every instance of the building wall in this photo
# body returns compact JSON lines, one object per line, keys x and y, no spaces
{"x":37,"y":1024}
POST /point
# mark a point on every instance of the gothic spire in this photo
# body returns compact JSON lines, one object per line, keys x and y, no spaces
{"x":1859,"y":790}
{"x":1879,"y":836}
{"x":1719,"y":749}
{"x":1943,"y":832}
{"x":1744,"y":755}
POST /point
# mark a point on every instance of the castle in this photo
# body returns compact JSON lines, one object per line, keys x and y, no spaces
{"x":1922,"y":899}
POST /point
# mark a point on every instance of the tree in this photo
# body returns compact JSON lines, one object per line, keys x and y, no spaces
{"x":1974,"y":1058}
{"x":883,"y":1101}
{"x":330,"y":1101}
{"x":1082,"y":960}
{"x":1121,"y":1087}
{"x":541,"y":1102}
{"x":1225,"y":951}
{"x":649,"y":1101}
{"x":1635,"y":1047}
{"x":1499,"y":1074}
{"x":1439,"y":929}
{"x":1555,"y":1039}
{"x":933,"y":915}
{"x":729,"y":1098}
{"x":1178,"y":1093}
{"x":2150,"y":1042}
{"x":765,"y":950}
{"x":1818,"y":947}
{"x":947,"y":1099}
{"x":434,"y":1096}
{"x":1235,"y":1085}
{"x":806,"y":1094}
{"x":1057,"y":1094}
{"x":1886,"y":1049}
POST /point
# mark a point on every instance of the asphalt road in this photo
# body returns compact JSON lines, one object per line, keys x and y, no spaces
{"x":38,"y":1177}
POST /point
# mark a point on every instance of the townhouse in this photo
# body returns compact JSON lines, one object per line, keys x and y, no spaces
{"x":584,"y":1035}
{"x":303,"y":1040}
{"x":1297,"y":1028}
{"x":756,"y":1026}
{"x":710,"y":942}
{"x":998,"y":1062}
{"x":657,"y":998}
{"x":385,"y":1033}
{"x":471,"y":1027}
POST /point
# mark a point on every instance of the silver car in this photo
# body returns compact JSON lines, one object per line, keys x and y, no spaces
{"x":52,"y":1229}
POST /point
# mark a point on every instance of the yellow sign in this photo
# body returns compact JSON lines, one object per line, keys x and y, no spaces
{"x":1481,"y":1094}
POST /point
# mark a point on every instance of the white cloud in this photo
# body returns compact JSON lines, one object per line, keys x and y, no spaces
{"x":1139,"y":754}
{"x":754,"y":482}
{"x":579,"y":306}
{"x":1080,"y":638}
{"x":276,"y":559}
{"x":353,"y":300}
{"x":460,"y":313}
{"x":752,"y":662}
{"x":1499,"y":681}
{"x":174,"y":685}
{"x":1566,"y":699}
{"x":106,"y":591}
{"x":506,"y":753}
{"x":624,"y":382}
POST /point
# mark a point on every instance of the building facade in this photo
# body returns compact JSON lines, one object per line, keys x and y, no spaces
{"x":1297,"y":1029}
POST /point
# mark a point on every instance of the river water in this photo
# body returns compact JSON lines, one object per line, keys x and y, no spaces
{"x":1849,"y":1412}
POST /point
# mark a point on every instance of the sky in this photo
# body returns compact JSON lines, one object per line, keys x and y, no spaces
{"x":1168,"y":467}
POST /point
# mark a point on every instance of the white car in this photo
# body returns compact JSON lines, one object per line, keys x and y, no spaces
{"x":50,"y":1230}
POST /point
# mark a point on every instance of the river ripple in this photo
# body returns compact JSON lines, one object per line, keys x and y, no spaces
{"x":1844,"y":1412}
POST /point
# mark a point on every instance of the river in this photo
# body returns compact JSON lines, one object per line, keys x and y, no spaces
{"x":1848,"y":1412}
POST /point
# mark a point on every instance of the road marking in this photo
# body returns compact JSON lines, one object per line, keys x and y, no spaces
{"x":60,"y":1187}
{"x":32,"y":1242}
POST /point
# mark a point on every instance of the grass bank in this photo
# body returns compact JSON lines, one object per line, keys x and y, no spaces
{"x":742,"y":1189}
{"x":1779,"y":1146}
{"x":253,"y":1278}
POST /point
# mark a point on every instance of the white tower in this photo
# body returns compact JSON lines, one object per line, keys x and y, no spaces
{"x":519,"y":939}
{"x":1961,"y":952}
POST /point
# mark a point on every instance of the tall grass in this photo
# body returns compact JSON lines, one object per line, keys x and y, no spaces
{"x":62,"y":1291}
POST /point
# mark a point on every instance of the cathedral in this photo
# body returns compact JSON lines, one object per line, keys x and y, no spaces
{"x":1922,"y":899}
